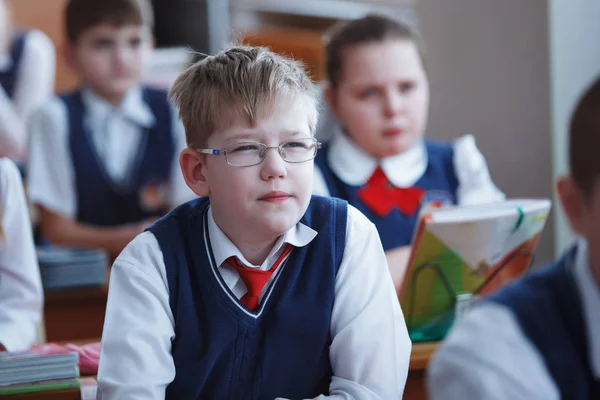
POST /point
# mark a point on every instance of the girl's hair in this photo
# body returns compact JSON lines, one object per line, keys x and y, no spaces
{"x":371,"y":28}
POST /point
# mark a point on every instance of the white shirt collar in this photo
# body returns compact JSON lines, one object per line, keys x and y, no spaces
{"x":354,"y":166}
{"x":298,"y":236}
{"x":133,"y":108}
{"x":590,"y":298}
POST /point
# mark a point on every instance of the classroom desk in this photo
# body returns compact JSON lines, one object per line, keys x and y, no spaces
{"x":65,"y":394}
{"x":75,"y":314}
{"x":419,"y":359}
{"x":414,"y":390}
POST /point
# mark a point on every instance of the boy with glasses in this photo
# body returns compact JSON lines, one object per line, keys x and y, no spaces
{"x":256,"y":290}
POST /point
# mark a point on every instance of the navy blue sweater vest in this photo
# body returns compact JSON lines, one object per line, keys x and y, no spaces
{"x":8,"y":78}
{"x":396,"y":229}
{"x":548,"y":308}
{"x":100,"y":200}
{"x":224,"y":351}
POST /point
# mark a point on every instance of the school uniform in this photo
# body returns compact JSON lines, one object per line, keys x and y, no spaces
{"x":21,"y":295}
{"x":102,"y":165}
{"x":389,"y":191}
{"x":8,"y":75}
{"x":327,"y":320}
{"x":26,"y":80}
{"x":539,"y":338}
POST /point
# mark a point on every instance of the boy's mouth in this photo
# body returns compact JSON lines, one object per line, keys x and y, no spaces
{"x":393,"y":132}
{"x":275,"y":196}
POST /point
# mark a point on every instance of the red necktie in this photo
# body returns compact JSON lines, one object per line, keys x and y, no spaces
{"x":255,"y":279}
{"x":381,"y":196}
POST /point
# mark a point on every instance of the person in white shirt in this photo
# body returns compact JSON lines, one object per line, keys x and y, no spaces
{"x":539,"y":338}
{"x":377,"y":158}
{"x":27,"y":71}
{"x":257,"y":289}
{"x":103,"y":159}
{"x":21,"y":295}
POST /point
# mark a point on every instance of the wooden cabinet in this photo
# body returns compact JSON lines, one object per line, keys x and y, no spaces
{"x":301,"y":44}
{"x":47,"y":16}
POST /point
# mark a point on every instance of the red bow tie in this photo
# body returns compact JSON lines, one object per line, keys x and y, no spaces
{"x":381,"y":196}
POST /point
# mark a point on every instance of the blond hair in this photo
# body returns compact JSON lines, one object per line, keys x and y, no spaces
{"x":240,"y":80}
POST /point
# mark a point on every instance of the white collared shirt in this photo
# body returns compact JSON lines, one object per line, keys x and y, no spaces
{"x":116,"y":134}
{"x":487,"y":356}
{"x":299,"y":236}
{"x":354,"y":167}
{"x":35,"y":85}
{"x":370,"y":348}
{"x":21,"y":295}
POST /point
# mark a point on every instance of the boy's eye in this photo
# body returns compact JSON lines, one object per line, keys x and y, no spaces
{"x":102,"y":44}
{"x":135,"y":42}
{"x":244,"y":147}
{"x":368,"y":92}
{"x":302,"y":145}
{"x":406,"y":86}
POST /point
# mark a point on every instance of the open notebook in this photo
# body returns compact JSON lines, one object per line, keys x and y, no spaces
{"x":461,"y":252}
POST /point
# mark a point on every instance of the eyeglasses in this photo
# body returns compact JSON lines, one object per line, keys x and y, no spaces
{"x":246,"y":154}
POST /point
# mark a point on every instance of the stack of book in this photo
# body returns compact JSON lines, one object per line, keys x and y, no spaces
{"x":66,"y":268}
{"x":42,"y":368}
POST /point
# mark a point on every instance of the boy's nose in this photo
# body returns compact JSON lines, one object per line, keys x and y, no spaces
{"x":273,"y":166}
{"x":121,"y":56}
{"x":394,"y":103}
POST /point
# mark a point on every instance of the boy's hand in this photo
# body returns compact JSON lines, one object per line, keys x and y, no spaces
{"x":397,"y":262}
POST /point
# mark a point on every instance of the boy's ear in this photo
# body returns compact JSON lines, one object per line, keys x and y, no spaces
{"x":192,"y":166}
{"x":573,"y":202}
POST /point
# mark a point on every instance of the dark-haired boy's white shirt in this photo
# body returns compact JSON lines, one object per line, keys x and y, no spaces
{"x":116,"y":136}
{"x":353,"y":166}
{"x":370,"y":348}
{"x":487,"y":355}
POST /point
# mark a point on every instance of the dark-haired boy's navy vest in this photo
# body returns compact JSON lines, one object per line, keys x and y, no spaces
{"x":396,"y":229}
{"x":548,"y":308}
{"x":8,"y":78}
{"x":224,"y":351}
{"x":100,"y":200}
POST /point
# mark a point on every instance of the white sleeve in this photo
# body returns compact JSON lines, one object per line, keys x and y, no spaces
{"x":319,"y":185}
{"x":487,"y":357}
{"x":51,"y":179}
{"x":21,"y":295}
{"x":179,"y":191}
{"x":370,"y":348}
{"x":135,"y":354}
{"x":35,"y":84}
{"x":475,"y":185}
